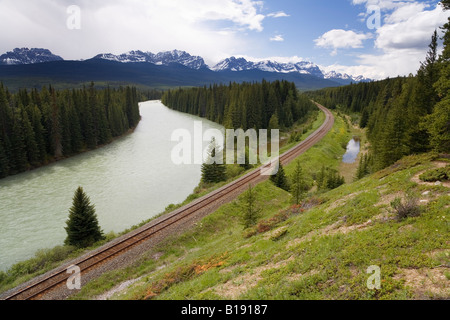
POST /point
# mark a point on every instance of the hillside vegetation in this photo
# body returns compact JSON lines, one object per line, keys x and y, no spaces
{"x":319,"y":250}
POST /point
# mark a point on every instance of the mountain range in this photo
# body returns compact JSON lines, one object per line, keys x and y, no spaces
{"x":164,"y":69}
{"x":31,"y":56}
{"x":231,"y":64}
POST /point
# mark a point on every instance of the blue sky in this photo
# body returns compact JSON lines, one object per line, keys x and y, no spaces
{"x":331,"y":33}
{"x":306,"y":21}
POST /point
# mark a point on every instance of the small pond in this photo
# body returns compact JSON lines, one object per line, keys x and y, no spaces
{"x":353,"y":148}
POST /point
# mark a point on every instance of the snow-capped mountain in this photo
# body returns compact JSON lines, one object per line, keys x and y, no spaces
{"x":333,"y":75}
{"x":302,"y":67}
{"x":241,"y":64}
{"x":181,"y":57}
{"x":233,"y":64}
{"x":162,"y":58}
{"x":28,"y":56}
{"x":130,"y":57}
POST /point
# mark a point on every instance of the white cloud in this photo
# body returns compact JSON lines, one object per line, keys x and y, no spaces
{"x":204,"y":27}
{"x":279,"y":14}
{"x":382,"y":66}
{"x":409,"y":27}
{"x":278,"y":38}
{"x":339,"y":39}
{"x":383,"y":4}
{"x":401,"y":41}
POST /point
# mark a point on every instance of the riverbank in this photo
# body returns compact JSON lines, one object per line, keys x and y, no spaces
{"x":132,"y":175}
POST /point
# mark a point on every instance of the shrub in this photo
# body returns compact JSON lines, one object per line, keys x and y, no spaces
{"x":407,"y":209}
{"x":441,"y":174}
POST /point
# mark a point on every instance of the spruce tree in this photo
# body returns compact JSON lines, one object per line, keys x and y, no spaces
{"x":213,"y":172}
{"x":279,"y":179}
{"x":299,"y":185}
{"x":82,"y":227}
{"x":251,"y":210}
{"x":4,"y":163}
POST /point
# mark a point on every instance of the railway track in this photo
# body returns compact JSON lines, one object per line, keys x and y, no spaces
{"x":143,"y":234}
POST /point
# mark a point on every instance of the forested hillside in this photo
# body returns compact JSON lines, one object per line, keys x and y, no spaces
{"x":266,"y":105}
{"x":406,"y":115}
{"x":39,"y":127}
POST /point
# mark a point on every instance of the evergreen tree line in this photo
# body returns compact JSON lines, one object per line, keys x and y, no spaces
{"x":404,"y":115}
{"x":37,"y":127}
{"x":266,"y":105}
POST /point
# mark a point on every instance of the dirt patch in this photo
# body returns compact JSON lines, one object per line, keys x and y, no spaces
{"x":439,"y":252}
{"x":407,"y":228}
{"x":298,"y":276}
{"x":117,"y":289}
{"x":426,"y":283}
{"x":236,"y":287}
{"x":157,"y":256}
{"x":336,"y":228}
{"x":348,"y":229}
{"x":386,"y":199}
{"x":229,"y":269}
{"x":341,"y":202}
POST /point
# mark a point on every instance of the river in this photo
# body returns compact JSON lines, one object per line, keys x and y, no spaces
{"x":129,"y":181}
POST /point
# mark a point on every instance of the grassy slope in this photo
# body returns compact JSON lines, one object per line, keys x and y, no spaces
{"x":322,"y":253}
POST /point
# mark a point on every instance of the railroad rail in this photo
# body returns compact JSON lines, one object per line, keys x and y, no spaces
{"x":133,"y":239}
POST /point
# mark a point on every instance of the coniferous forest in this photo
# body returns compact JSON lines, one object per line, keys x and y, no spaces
{"x":265,"y":105}
{"x":38,"y":127}
{"x":405,"y":115}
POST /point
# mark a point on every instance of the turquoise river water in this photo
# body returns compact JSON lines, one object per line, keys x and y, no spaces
{"x":128,"y":181}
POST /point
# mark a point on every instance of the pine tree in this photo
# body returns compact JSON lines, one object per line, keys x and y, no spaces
{"x":251,"y":210}
{"x":4,"y":163}
{"x":18,"y":160}
{"x":279,"y":179}
{"x":56,"y":128}
{"x":334,"y":180}
{"x":299,"y":185}
{"x":321,"y":178}
{"x":82,"y":227}
{"x":31,"y":146}
{"x":212,"y":171}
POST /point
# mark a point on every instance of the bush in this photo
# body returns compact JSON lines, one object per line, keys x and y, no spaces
{"x":408,"y":209}
{"x":441,"y":174}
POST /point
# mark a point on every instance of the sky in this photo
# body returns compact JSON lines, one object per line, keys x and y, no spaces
{"x":374,"y":38}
